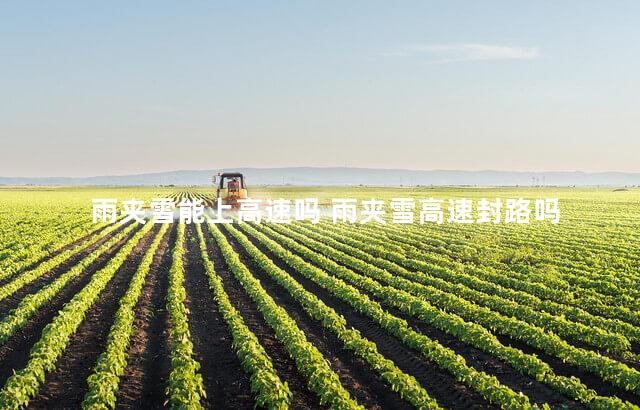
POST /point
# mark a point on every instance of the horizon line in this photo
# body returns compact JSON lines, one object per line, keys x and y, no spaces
{"x":324,"y":168}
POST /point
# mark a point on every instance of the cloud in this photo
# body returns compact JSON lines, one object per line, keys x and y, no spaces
{"x":451,"y":53}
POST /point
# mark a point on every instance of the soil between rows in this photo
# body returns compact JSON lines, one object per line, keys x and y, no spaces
{"x":226,"y":383}
{"x":366,"y":386}
{"x":536,"y":391}
{"x":148,"y":357}
{"x":66,"y":385}
{"x":303,"y":397}
{"x":635,"y":347}
{"x":53,"y":254}
{"x":11,"y":302}
{"x":480,"y":360}
{"x":591,"y":380}
{"x":440,"y":385}
{"x":14,"y":353}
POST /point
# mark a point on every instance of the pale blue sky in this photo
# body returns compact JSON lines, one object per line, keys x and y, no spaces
{"x":91,"y":88}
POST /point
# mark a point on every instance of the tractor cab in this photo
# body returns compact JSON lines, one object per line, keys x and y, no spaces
{"x":230,"y":188}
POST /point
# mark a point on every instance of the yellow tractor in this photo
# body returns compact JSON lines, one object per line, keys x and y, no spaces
{"x":230,"y":189}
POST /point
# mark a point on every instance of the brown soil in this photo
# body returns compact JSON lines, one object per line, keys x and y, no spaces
{"x":145,"y":378}
{"x":54,"y":253}
{"x":366,"y":386}
{"x":11,"y":302}
{"x":561,"y":368}
{"x":441,"y":385}
{"x":537,"y":392}
{"x":226,"y":383}
{"x":15,"y":352}
{"x":284,"y":365}
{"x":482,"y":361}
{"x":66,"y":385}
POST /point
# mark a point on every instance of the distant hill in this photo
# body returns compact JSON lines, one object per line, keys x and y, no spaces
{"x":350,"y":176}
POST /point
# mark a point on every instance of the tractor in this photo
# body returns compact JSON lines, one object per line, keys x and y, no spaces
{"x":230,"y":189}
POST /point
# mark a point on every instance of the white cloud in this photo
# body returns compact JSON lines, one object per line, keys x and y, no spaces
{"x":450,"y":53}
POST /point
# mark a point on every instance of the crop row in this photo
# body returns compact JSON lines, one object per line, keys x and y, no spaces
{"x":103,"y":382}
{"x":27,"y":277}
{"x":457,"y":275}
{"x":321,"y":378}
{"x":619,"y":289}
{"x":468,"y":332}
{"x":487,"y":386}
{"x":433,"y":276}
{"x":407,"y":386}
{"x":185,"y":388}
{"x":554,"y":286}
{"x":31,"y":240}
{"x":584,"y":280}
{"x":271,"y":392}
{"x":576,"y":244}
{"x":19,"y":316}
{"x":591,"y":304}
{"x":608,"y":369}
{"x":24,"y":384}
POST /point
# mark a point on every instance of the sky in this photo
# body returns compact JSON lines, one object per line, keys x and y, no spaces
{"x":113,"y":88}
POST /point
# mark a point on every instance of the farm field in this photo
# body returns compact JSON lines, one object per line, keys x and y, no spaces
{"x":324,"y":315}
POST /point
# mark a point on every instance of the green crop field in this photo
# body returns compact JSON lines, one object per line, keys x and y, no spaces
{"x":327,"y":315}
